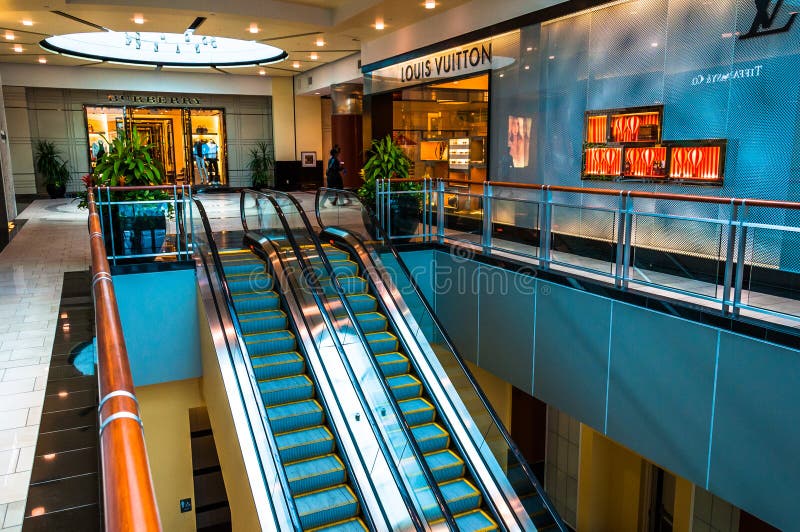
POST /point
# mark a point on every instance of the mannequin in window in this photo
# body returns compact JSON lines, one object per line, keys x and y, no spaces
{"x":198,"y":150}
{"x":211,"y":160}
{"x":98,"y":150}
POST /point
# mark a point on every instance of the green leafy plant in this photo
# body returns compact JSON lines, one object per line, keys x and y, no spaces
{"x":49,"y":164}
{"x":261,"y":164}
{"x":386,"y":161}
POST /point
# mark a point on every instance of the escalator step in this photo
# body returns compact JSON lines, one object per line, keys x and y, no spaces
{"x":393,"y":364}
{"x":295,"y":416}
{"x":533,"y":504}
{"x":382,"y":342}
{"x":249,"y":282}
{"x":362,"y":303}
{"x":476,"y":520}
{"x":270,"y":320}
{"x":404,"y":386}
{"x":341,"y":268}
{"x":270,"y":343}
{"x":431,"y":437}
{"x":445,"y":465}
{"x":305,"y":443}
{"x":417,"y":411}
{"x":326,"y":506}
{"x":353,"y":285}
{"x":243,"y":266}
{"x":280,"y":365}
{"x":353,"y":524}
{"x":286,"y":389}
{"x":372,"y":322}
{"x":461,"y":495}
{"x":315,"y":474}
{"x":256,"y":301}
{"x":334,"y":253}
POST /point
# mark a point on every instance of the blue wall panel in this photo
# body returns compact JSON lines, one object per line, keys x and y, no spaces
{"x":159,"y":319}
{"x":571,"y":351}
{"x":457,"y":302}
{"x":755,"y":459}
{"x":506,"y":312}
{"x":661,"y":388}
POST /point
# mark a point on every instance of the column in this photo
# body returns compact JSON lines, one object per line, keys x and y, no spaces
{"x":346,"y":130}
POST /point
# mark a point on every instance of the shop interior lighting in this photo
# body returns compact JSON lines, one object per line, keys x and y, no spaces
{"x":27,"y":22}
{"x":149,"y":49}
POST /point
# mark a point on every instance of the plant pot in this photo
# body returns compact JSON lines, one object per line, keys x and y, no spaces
{"x":136,"y":229}
{"x":405,"y":216}
{"x":56,"y":191}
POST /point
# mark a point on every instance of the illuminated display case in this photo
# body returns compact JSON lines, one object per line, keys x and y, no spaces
{"x":626,"y":144}
{"x":459,"y":153}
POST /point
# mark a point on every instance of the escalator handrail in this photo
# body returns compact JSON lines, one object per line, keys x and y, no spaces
{"x":259,"y":241}
{"x":281,"y":474}
{"x":316,"y":290}
{"x":429,"y":478}
{"x":450,"y":345}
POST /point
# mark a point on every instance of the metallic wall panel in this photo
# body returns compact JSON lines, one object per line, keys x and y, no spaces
{"x":505,"y":319}
{"x":754,"y":458}
{"x":661,"y":388}
{"x":457,"y":302}
{"x":571,"y":351}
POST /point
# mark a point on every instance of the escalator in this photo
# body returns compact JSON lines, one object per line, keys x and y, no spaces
{"x":317,"y":477}
{"x":397,"y":319}
{"x":443,"y":457}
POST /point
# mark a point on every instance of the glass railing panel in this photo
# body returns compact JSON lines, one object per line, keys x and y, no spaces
{"x":584,"y":238}
{"x":367,"y":379}
{"x":679,"y":254}
{"x":515,"y":226}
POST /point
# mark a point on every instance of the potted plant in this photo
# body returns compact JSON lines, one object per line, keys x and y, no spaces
{"x":261,"y":164}
{"x":388,"y":161}
{"x":137,"y":229}
{"x":53,"y":169}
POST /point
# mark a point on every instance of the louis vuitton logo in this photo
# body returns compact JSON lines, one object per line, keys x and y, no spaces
{"x":762,"y":23}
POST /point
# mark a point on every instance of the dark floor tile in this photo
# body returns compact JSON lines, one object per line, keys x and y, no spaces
{"x":59,"y":360}
{"x":65,"y":400}
{"x":64,"y":372}
{"x":84,"y":519}
{"x":54,"y":466}
{"x":63,"y":494}
{"x":69,"y":419}
{"x":75,"y":384}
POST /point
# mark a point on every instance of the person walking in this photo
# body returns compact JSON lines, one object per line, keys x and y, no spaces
{"x":211,"y":160}
{"x":333,"y":173}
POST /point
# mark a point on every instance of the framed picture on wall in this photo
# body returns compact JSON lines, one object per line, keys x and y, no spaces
{"x":308,"y":158}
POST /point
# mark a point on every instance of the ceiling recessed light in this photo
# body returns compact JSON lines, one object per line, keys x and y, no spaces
{"x":502,"y":75}
{"x":262,"y":72}
{"x":10,"y":36}
{"x":42,"y":60}
{"x":313,"y":56}
{"x":527,"y":67}
{"x":296,"y":64}
{"x":253,"y":28}
{"x":320,"y":41}
{"x":316,"y":93}
{"x":379,"y":25}
{"x":430,"y":4}
{"x":18,"y":48}
{"x":27,"y":22}
{"x":654,"y":44}
{"x":138,"y":18}
{"x":529,"y":49}
{"x":551,"y":57}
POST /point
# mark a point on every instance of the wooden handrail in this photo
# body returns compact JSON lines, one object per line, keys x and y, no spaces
{"x":128,"y":494}
{"x":147,"y":187}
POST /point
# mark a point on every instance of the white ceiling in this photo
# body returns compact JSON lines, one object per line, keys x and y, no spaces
{"x":293,"y":26}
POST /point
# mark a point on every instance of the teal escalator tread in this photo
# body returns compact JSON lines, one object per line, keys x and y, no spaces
{"x":417,"y":411}
{"x":460,"y":495}
{"x":382,"y":342}
{"x":404,"y":386}
{"x":316,"y":473}
{"x":445,"y":465}
{"x":249,"y":282}
{"x":393,"y":363}
{"x":286,"y":389}
{"x":353,"y":524}
{"x":329,"y":505}
{"x":372,"y":322}
{"x":270,"y":343}
{"x":431,"y":437}
{"x":267,"y":320}
{"x":278,"y":365}
{"x":361,"y":303}
{"x":288,"y":417}
{"x":475,"y":521}
{"x":305,"y":443}
{"x":256,"y":301}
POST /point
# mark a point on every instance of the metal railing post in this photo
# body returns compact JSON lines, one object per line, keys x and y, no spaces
{"x":545,"y":229}
{"x":486,"y":237}
{"x":727,"y":280}
{"x":440,"y":211}
{"x":388,"y":222}
{"x":426,"y":183}
{"x":740,"y":257}
{"x":624,"y":237}
{"x":111,"y":229}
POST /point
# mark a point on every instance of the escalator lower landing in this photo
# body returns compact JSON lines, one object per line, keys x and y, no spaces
{"x":317,"y":477}
{"x":454,"y":480}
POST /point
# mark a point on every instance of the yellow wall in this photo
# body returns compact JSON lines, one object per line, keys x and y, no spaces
{"x":165,"y":414}
{"x":684,"y":505}
{"x":283,"y":118}
{"x":309,"y":126}
{"x":610,"y":483}
{"x":497,"y":391}
{"x":240,"y":497}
